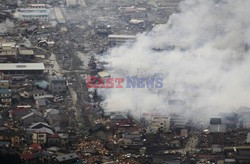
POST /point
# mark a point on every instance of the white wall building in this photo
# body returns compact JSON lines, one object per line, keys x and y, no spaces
{"x":40,"y":14}
{"x":159,"y":123}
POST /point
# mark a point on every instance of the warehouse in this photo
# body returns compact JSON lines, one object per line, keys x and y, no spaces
{"x":22,"y":68}
{"x":121,"y":39}
{"x":39,"y":14}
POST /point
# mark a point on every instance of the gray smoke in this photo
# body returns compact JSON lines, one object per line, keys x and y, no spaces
{"x":202,"y":54}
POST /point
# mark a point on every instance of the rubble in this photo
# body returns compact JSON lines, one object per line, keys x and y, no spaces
{"x":47,"y":115}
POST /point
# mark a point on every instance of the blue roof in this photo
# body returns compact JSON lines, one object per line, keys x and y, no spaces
{"x":5,"y":91}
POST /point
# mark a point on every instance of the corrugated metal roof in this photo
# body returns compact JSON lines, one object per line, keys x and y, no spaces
{"x":66,"y":157}
{"x":22,"y":66}
{"x":218,"y":128}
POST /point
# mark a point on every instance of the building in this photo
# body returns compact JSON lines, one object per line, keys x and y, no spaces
{"x":39,"y":125}
{"x":217,"y":131}
{"x":159,"y":123}
{"x":121,"y":39}
{"x":39,"y":6}
{"x":37,"y":94}
{"x":5,"y":97}
{"x":4,"y":84}
{"x":66,"y":158}
{"x":9,"y":135}
{"x":41,"y":104}
{"x":39,"y":137}
{"x":22,"y":68}
{"x":17,"y":114}
{"x":53,"y":140}
{"x":32,"y":117}
{"x":8,"y":49}
{"x":27,"y":14}
{"x":120,"y":120}
{"x":131,"y":139}
{"x":59,"y":16}
{"x":57,"y":84}
{"x":53,"y":117}
{"x":64,"y":139}
{"x":26,"y":54}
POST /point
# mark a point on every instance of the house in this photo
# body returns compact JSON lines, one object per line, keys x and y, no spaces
{"x":41,"y":136}
{"x":53,"y":140}
{"x":178,"y":122}
{"x":57,"y":84}
{"x":159,"y":123}
{"x":5,"y":97}
{"x":53,"y":117}
{"x":39,"y":125}
{"x":64,"y":139}
{"x":120,"y":120}
{"x":131,"y":139}
{"x":69,"y":135}
{"x":32,"y":117}
{"x":17,"y":114}
{"x":41,"y":103}
{"x":10,"y":135}
{"x":66,"y":158}
{"x":4,"y":84}
{"x":8,"y":49}
{"x":36,"y":94}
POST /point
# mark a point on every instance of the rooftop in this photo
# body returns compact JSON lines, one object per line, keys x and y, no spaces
{"x":66,"y":157}
{"x":26,"y":52}
{"x":103,"y":74}
{"x":22,"y":66}
{"x":122,"y":36}
{"x":5,"y":91}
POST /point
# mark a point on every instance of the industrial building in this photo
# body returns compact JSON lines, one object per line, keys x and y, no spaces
{"x":57,"y":84}
{"x":40,"y":14}
{"x":159,"y":123}
{"x":121,"y":39}
{"x":8,"y":49}
{"x":22,"y":68}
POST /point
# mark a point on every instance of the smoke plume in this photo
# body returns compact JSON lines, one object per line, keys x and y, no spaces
{"x":202,"y":54}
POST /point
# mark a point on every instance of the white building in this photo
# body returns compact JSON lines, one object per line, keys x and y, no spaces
{"x":159,"y":123}
{"x":40,"y":14}
{"x":121,"y":39}
{"x":8,"y":49}
{"x":39,"y":5}
{"x":59,"y":15}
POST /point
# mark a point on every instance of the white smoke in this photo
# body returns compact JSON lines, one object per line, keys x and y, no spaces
{"x":203,"y":58}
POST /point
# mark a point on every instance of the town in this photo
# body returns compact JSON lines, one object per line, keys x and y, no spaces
{"x":51,"y":113}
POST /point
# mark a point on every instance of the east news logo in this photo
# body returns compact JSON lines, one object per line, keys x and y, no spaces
{"x":131,"y":82}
